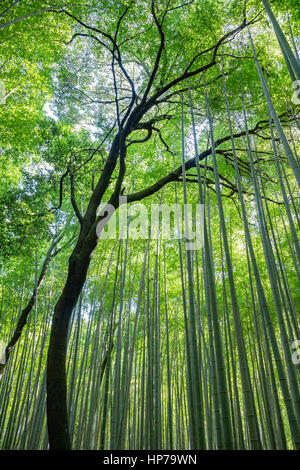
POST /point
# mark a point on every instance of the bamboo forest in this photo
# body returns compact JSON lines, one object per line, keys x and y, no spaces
{"x":149,"y":240}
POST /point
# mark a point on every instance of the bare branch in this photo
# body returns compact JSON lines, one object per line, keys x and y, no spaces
{"x":174,"y":175}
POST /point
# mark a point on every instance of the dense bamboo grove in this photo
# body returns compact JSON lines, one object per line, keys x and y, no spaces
{"x":149,"y":342}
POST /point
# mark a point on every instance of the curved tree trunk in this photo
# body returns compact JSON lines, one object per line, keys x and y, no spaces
{"x":79,"y":261}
